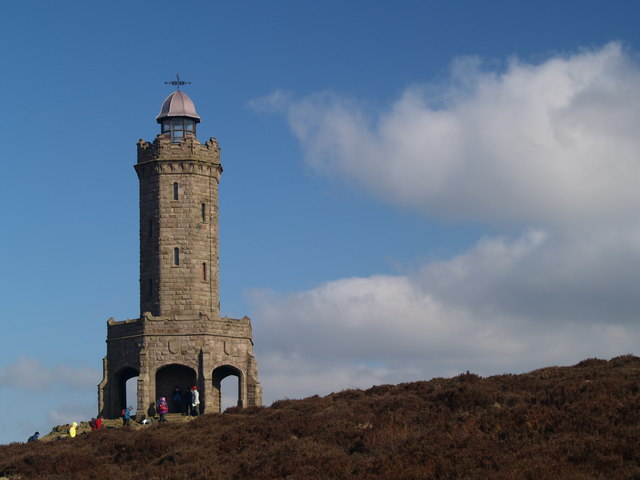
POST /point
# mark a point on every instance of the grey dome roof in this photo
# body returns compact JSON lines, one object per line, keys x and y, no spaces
{"x":178,"y":104}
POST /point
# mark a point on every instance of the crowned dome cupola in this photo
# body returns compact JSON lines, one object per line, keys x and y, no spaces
{"x":178,"y":116}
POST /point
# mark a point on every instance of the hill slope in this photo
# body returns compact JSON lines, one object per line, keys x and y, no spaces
{"x":575,"y":422}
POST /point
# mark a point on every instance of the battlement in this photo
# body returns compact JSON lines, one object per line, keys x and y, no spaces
{"x":125,"y":328}
{"x":150,"y":325}
{"x":189,"y":148}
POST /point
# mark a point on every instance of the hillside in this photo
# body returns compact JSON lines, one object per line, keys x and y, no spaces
{"x":577,"y":422}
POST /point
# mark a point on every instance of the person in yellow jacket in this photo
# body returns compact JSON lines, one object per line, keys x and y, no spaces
{"x":72,"y":430}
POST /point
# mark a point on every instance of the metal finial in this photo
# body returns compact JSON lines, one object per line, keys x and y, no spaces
{"x":177,"y":82}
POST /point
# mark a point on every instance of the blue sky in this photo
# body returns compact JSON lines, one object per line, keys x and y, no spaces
{"x":411,"y":189}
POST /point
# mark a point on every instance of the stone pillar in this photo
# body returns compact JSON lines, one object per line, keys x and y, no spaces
{"x":104,"y":390}
{"x":144,"y":387}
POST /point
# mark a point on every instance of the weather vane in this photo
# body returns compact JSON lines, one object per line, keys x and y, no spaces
{"x":177,"y":82}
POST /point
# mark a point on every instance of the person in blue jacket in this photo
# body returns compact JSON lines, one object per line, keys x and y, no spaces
{"x":126,"y":416}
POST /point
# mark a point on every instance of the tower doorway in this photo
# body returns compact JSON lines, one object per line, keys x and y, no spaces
{"x":170,"y":377}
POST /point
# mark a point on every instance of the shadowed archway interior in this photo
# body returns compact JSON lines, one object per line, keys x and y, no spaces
{"x":170,"y":377}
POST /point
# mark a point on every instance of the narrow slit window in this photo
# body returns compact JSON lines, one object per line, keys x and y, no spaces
{"x":175,"y":190}
{"x":203,"y":212}
{"x":176,"y":256}
{"x":204,"y":271}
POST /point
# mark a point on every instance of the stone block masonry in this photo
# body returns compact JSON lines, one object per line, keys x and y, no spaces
{"x":179,"y":340}
{"x":179,"y":227}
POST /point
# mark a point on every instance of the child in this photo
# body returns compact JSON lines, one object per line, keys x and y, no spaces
{"x":163,"y":408}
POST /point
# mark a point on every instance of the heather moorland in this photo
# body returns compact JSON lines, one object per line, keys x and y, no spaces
{"x":579,"y":422}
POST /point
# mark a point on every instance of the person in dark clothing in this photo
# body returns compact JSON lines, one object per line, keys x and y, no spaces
{"x":34,"y":437}
{"x":177,"y":400}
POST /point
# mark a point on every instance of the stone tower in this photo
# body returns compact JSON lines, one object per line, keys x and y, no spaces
{"x":180,"y":340}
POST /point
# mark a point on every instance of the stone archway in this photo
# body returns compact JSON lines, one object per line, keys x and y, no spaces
{"x":119,"y":389}
{"x":171,"y":376}
{"x":220,"y":374}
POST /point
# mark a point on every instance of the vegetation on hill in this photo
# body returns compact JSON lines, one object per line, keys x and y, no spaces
{"x":579,"y":422}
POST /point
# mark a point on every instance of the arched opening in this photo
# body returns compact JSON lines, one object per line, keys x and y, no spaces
{"x":125,"y":384}
{"x":172,"y":377}
{"x":228,"y":390}
{"x":131,"y":389}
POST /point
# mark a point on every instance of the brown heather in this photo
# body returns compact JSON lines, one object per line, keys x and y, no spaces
{"x":580,"y":422}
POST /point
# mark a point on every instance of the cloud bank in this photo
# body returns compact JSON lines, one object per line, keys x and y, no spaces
{"x":30,"y":374}
{"x":547,"y":149}
{"x":553,"y":143}
{"x":502,"y":307}
{"x":37,"y":396}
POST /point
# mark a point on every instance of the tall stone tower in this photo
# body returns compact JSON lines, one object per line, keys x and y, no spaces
{"x":180,"y":340}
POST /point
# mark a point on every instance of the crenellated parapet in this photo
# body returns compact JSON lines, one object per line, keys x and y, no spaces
{"x":189,"y":148}
{"x":124,"y":329}
{"x":149,"y":324}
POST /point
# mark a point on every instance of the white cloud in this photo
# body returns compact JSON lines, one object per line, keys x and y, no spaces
{"x":586,"y":278}
{"x":30,"y":374}
{"x":500,"y":307}
{"x":45,"y":395}
{"x":549,"y":148}
{"x":25,"y":373}
{"x":552,"y":143}
{"x":292,"y":375}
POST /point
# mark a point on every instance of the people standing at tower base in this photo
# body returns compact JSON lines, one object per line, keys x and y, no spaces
{"x":163,"y":409}
{"x":195,"y":401}
{"x":177,"y":400}
{"x":126,"y":416}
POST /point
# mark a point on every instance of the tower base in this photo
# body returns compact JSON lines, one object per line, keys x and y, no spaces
{"x":166,"y":353}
